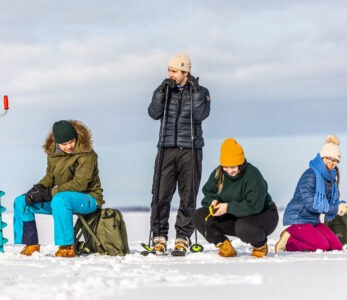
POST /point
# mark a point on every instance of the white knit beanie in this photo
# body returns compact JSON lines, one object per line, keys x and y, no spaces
{"x":331,"y":148}
{"x":181,"y":62}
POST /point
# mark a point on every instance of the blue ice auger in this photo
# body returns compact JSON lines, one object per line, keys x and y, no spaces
{"x":2,"y":225}
{"x":2,"y":209}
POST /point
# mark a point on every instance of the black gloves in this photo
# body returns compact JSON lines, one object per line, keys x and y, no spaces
{"x":46,"y":195}
{"x":194,"y":84}
{"x":165,"y":83}
{"x":192,"y":81}
{"x":37,"y":194}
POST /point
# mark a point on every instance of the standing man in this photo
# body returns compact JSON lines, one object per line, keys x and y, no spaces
{"x":180,"y":141}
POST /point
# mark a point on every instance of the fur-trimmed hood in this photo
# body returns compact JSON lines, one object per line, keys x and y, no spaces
{"x":84,"y":138}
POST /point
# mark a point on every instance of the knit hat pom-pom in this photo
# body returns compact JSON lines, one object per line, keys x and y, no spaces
{"x":333,"y":139}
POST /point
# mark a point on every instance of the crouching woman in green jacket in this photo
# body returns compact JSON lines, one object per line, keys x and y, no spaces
{"x":236,"y":203}
{"x":71,"y":185}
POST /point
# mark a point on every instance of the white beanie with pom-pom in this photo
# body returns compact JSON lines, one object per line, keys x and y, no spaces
{"x":331,"y":148}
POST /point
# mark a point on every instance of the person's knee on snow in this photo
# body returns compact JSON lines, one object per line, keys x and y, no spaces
{"x":320,"y":243}
{"x":331,"y":237}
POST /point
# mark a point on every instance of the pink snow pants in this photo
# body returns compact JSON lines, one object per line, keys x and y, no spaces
{"x":306,"y":237}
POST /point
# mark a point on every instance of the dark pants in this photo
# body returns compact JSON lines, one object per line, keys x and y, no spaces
{"x":251,"y":229}
{"x":176,"y":169}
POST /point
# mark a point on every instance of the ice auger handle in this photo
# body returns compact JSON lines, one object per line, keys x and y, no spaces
{"x":6,"y":102}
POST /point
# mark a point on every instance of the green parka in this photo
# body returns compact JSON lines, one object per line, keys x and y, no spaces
{"x":78,"y":171}
{"x":339,"y":226}
{"x":246,"y":193}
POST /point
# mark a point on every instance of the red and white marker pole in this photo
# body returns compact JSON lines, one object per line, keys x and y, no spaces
{"x":6,"y":107}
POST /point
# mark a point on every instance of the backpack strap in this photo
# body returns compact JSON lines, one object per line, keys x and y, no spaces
{"x":91,"y":231}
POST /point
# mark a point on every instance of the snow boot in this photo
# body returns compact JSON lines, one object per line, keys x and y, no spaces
{"x":159,"y":245}
{"x":181,"y":247}
{"x":260,"y":252}
{"x":28,"y":250}
{"x":282,"y":243}
{"x":66,"y":251}
{"x":226,"y":249}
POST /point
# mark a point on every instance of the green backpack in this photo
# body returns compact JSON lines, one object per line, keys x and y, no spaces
{"x":339,"y":226}
{"x":103,"y":232}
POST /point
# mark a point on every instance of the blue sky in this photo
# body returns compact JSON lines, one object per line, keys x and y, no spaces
{"x":273,"y":69}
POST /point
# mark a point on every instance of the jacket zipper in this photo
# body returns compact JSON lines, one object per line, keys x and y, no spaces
{"x":178,"y":114}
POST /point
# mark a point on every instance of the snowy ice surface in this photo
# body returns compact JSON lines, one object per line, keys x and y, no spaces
{"x":202,"y":276}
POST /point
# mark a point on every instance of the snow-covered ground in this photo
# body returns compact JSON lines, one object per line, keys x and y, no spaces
{"x":202,"y":276}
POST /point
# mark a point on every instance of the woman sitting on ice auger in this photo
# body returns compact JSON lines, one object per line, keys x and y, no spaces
{"x":71,"y":185}
{"x":316,"y":193}
{"x":236,"y":203}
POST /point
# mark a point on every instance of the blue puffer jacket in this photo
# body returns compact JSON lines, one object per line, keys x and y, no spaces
{"x":178,"y":128}
{"x":300,"y":209}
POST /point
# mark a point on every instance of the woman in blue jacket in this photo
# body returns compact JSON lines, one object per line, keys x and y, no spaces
{"x":317,"y":193}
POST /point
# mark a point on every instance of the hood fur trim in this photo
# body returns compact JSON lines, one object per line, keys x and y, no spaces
{"x":84,"y":138}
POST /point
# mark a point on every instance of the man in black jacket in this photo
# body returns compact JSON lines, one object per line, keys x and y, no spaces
{"x":187,"y":105}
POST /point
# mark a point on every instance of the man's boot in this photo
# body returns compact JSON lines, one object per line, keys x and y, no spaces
{"x":181,"y":247}
{"x":159,"y":245}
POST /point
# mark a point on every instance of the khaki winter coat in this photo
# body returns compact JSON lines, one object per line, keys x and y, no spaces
{"x":77,"y":172}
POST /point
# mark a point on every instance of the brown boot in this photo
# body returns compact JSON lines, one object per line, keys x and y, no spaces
{"x":226,"y":249}
{"x":282,"y":243}
{"x":181,"y":247}
{"x":260,"y":252}
{"x":30,"y":249}
{"x":66,"y":251}
{"x":159,"y":245}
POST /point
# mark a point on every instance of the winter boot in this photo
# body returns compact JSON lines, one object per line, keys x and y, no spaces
{"x":226,"y":249}
{"x":159,"y":245}
{"x":282,"y":243}
{"x":66,"y":251}
{"x":181,"y":247}
{"x":260,"y":252}
{"x":30,"y":249}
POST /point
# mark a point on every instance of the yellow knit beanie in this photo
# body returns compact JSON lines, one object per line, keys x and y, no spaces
{"x":231,"y":154}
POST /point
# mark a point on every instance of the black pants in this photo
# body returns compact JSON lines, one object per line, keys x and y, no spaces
{"x":251,"y":229}
{"x":176,"y":169}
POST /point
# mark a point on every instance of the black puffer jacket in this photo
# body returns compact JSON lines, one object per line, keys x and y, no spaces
{"x":178,"y":128}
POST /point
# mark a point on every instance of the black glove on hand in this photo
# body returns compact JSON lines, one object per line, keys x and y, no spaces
{"x":167,"y":82}
{"x":37,"y":194}
{"x":28,"y":200}
{"x":46,"y":195}
{"x":194,"y":84}
{"x":35,"y":189}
